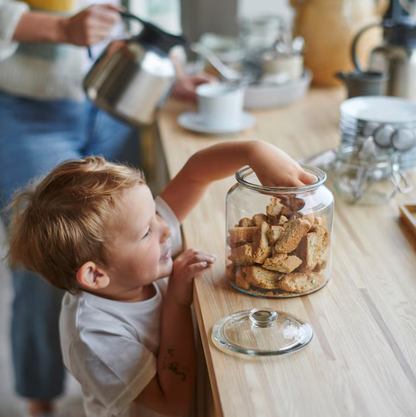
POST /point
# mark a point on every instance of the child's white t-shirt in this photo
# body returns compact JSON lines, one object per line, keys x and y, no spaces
{"x":110,"y":347}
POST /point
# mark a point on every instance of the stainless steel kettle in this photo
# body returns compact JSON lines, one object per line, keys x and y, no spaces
{"x":132,"y":77}
{"x":396,"y":57}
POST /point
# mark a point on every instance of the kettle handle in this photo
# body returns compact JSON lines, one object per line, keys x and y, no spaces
{"x":127,"y":15}
{"x":124,"y":15}
{"x":355,"y":43}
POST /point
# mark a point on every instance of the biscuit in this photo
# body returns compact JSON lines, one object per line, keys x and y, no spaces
{"x":246,"y":222}
{"x":258,"y":219}
{"x":242,"y":283}
{"x":286,"y":211}
{"x":230,"y":272}
{"x":308,"y":251}
{"x":322,"y":252}
{"x":239,"y":273}
{"x":274,"y":211}
{"x":310,"y":217}
{"x":262,"y":278}
{"x":296,"y":204}
{"x":275,"y":201}
{"x":294,"y":231}
{"x":283,"y":220}
{"x":319,"y":221}
{"x":300,"y":282}
{"x":321,"y":266}
{"x":322,"y":259}
{"x":282,"y":263}
{"x":323,"y":236}
{"x":274,"y":234}
{"x":241,"y":235}
{"x":261,"y":246}
{"x":318,"y":228}
{"x":240,"y":279}
{"x":242,"y":255}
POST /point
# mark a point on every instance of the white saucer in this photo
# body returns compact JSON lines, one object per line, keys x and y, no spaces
{"x":193,"y":121}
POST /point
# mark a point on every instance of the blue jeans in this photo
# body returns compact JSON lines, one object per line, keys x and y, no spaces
{"x":34,"y":137}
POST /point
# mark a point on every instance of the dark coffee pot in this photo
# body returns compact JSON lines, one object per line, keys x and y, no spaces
{"x":396,"y":56}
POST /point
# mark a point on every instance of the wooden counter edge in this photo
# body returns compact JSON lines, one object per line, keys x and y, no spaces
{"x":207,"y":354}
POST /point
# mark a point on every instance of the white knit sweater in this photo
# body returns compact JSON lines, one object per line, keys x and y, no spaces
{"x":38,"y":70}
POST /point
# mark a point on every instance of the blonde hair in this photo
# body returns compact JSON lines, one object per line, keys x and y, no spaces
{"x":69,"y":218}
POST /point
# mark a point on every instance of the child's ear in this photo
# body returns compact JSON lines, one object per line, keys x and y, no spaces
{"x":92,"y":277}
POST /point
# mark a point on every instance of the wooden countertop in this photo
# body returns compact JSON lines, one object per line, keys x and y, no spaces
{"x":362,"y":359}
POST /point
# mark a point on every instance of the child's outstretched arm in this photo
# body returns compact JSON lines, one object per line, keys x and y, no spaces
{"x":272,"y":166}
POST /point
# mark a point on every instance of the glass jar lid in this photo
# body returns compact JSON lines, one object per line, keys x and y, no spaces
{"x":261,"y":332}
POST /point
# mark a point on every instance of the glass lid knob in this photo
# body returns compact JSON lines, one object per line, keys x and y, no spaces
{"x":263,"y":317}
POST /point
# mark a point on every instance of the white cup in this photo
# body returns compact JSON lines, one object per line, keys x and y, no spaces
{"x":220,"y":105}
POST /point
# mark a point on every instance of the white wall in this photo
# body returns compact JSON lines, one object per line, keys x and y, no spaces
{"x":221,"y":16}
{"x":250,"y":8}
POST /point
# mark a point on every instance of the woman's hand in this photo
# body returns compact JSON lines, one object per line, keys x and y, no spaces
{"x":185,"y":267}
{"x":185,"y":87}
{"x":90,"y":26}
{"x":274,"y":167}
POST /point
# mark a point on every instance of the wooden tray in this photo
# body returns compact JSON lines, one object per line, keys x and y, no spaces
{"x":408,"y":214}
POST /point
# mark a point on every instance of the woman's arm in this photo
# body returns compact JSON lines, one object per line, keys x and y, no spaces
{"x":40,"y":27}
{"x":90,"y":26}
{"x":272,"y":166}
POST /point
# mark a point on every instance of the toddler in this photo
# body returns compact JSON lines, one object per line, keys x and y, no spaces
{"x":92,"y":228}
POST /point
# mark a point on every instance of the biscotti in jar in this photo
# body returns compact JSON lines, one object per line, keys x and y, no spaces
{"x":279,"y":238}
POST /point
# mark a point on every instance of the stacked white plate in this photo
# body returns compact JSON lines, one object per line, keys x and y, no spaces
{"x":391,"y":121}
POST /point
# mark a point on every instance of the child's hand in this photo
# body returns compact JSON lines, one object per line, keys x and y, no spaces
{"x":185,"y":267}
{"x":274,"y":167}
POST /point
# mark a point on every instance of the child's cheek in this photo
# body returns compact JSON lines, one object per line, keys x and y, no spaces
{"x":166,"y":268}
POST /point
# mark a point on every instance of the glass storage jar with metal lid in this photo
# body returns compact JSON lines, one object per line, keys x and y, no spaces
{"x":278,"y":238}
{"x":362,"y":176}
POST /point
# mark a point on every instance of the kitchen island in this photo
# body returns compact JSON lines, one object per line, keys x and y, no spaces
{"x":362,"y":358}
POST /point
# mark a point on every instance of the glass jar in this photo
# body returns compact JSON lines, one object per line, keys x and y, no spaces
{"x":278,"y":238}
{"x":258,"y":34}
{"x":228,"y":49}
{"x":369,"y":181}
